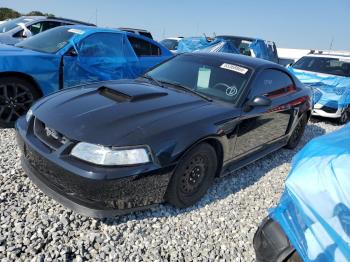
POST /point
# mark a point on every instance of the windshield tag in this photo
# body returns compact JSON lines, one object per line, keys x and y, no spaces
{"x":76,"y":31}
{"x":235,"y":68}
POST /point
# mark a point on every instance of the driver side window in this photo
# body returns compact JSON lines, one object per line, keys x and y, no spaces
{"x":272,"y":83}
{"x":102,"y":45}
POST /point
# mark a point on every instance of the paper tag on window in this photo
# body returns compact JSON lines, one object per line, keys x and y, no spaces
{"x":203,"y":77}
{"x":235,"y":68}
{"x":76,"y":31}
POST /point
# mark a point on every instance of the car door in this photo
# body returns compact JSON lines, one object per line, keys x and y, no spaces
{"x":98,"y":57}
{"x":262,"y":125}
{"x":148,"y":53}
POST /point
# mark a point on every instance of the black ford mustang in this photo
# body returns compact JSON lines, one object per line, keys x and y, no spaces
{"x":113,"y":147}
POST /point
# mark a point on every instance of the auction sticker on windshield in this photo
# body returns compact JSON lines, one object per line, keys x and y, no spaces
{"x":235,"y":68}
{"x":76,"y":31}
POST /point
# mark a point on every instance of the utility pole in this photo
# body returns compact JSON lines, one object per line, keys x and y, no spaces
{"x":96,"y":17}
{"x":331,"y":45}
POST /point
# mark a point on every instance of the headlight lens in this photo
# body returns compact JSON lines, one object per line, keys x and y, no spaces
{"x":29,"y":115}
{"x":106,"y":156}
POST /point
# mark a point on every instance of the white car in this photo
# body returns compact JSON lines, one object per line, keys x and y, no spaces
{"x":171,"y":43}
{"x":329,"y":77}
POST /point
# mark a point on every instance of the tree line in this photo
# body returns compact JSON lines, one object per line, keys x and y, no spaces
{"x":8,"y":13}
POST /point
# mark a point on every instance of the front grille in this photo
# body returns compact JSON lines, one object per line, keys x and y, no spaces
{"x":48,"y":136}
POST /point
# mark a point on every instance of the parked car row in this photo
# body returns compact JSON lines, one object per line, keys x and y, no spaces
{"x":102,"y":113}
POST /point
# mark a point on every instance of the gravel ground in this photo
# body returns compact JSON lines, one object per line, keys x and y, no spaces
{"x":220,"y":227}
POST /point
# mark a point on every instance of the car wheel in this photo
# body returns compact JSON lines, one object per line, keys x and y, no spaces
{"x":297,"y":132}
{"x":344,"y":118}
{"x":16,"y":97}
{"x":192,"y":177}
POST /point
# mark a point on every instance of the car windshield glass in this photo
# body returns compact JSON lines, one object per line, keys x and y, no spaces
{"x":11,"y":24}
{"x":326,"y":65}
{"x":49,"y":41}
{"x":213,"y":78}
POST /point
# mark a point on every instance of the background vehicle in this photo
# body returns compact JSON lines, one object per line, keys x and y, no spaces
{"x":171,"y":43}
{"x":66,"y":56}
{"x":318,"y":232}
{"x":254,"y":47}
{"x":205,"y":44}
{"x":137,"y":31}
{"x":18,"y":29}
{"x":198,"y":115}
{"x":329,"y":77}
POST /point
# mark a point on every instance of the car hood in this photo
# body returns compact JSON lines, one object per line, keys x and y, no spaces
{"x":107,"y":112}
{"x":6,"y":49}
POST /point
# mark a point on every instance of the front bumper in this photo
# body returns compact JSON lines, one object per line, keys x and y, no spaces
{"x":324,"y":111}
{"x":87,"y":189}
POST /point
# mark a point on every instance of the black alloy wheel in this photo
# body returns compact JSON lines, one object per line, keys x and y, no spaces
{"x":193,"y":176}
{"x":297,"y":132}
{"x":16,"y":97}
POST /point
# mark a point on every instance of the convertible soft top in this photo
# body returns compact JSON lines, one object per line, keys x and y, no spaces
{"x":314,"y":209}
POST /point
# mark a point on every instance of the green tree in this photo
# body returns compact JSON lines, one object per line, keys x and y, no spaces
{"x":38,"y":13}
{"x":6,"y":13}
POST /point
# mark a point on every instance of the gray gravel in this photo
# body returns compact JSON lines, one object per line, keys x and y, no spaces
{"x":220,"y":227}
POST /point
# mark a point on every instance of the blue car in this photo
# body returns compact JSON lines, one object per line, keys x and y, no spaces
{"x":67,"y":56}
{"x":311,"y":222}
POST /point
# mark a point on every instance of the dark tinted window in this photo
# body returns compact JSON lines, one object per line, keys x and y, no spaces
{"x":144,"y":48}
{"x":326,"y":65}
{"x":272,"y":83}
{"x":146,"y":34}
{"x":210,"y":77}
{"x":102,"y":45}
{"x":42,"y":26}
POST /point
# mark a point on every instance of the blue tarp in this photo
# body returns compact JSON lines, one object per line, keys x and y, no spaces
{"x":260,"y":49}
{"x":331,"y":91}
{"x":314,"y":210}
{"x":195,"y":44}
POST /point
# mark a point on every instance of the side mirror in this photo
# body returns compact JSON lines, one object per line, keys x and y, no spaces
{"x":24,"y":34}
{"x":71,"y":52}
{"x":257,"y":101}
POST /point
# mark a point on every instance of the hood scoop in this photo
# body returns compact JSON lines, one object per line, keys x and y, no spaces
{"x":126,"y":95}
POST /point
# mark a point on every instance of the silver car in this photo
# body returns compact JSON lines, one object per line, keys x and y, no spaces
{"x":15,"y":30}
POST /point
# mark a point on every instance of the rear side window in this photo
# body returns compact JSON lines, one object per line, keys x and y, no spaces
{"x":272,"y":83}
{"x":146,"y":34}
{"x":144,"y":48}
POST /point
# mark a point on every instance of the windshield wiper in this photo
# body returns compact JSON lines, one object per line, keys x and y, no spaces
{"x":187,"y":89}
{"x":158,"y":83}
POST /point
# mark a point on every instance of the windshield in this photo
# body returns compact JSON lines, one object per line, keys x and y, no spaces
{"x":49,"y":41}
{"x":11,"y":24}
{"x":210,"y":77}
{"x":326,"y":65}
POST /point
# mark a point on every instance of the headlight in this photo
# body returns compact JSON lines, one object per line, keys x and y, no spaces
{"x":106,"y":156}
{"x":29,"y":115}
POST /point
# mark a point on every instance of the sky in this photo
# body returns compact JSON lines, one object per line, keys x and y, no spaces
{"x":310,"y":24}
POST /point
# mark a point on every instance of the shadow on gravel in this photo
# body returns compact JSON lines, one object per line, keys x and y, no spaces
{"x":227,"y":185}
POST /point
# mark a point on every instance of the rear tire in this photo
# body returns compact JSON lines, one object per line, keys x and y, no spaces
{"x":192,"y":177}
{"x":297,"y":132}
{"x":16,"y":97}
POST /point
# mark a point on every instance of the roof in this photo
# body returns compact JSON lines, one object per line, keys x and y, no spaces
{"x":248,"y":61}
{"x":58,"y":18}
{"x":133,"y":29}
{"x":330,"y":55}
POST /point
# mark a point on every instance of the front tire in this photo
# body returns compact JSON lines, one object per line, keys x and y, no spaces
{"x":193,"y":176}
{"x":344,"y":118}
{"x":16,"y":97}
{"x":297,"y":132}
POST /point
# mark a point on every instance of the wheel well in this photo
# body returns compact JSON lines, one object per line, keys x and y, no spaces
{"x":23,"y":76}
{"x":219,"y":152}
